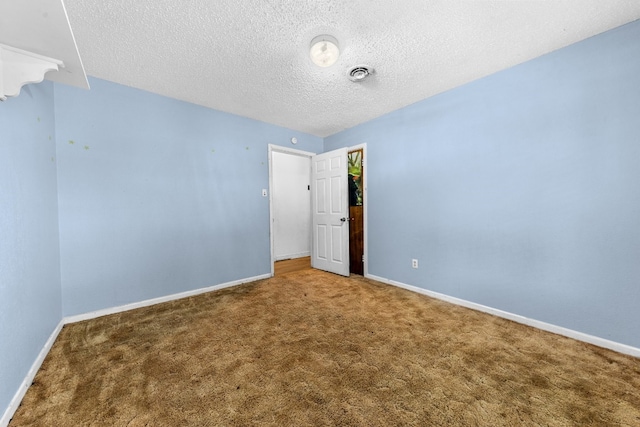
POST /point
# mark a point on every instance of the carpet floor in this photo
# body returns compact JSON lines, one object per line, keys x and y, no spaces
{"x":310,"y":348}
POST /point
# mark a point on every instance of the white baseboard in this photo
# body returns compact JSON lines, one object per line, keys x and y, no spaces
{"x":153,"y":301}
{"x":570,"y":333}
{"x":293,"y":256}
{"x":28,"y":379}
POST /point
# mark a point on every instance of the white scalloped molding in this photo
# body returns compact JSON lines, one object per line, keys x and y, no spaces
{"x":19,"y":67}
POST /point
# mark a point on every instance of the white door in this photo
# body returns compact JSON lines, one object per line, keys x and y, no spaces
{"x":330,"y":210}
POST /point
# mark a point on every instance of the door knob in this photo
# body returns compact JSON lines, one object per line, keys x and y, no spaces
{"x":343,"y":219}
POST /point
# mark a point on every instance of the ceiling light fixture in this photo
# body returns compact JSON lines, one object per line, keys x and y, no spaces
{"x":324,"y":50}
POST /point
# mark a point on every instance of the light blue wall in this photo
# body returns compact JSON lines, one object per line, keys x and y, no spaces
{"x":158,"y":196}
{"x":519,"y":191}
{"x":30,"y":296}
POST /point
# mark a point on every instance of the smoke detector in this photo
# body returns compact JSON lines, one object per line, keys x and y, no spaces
{"x":359,"y":73}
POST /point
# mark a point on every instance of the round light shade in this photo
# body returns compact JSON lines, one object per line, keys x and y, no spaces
{"x":324,"y":51}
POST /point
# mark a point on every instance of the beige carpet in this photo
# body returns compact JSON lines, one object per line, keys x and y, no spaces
{"x":313,"y":349}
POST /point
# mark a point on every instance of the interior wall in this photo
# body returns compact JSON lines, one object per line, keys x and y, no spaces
{"x":519,"y":191}
{"x":291,"y":205}
{"x":30,"y":296}
{"x":158,"y":196}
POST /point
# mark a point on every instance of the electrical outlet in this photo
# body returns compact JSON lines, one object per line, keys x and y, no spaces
{"x":414,"y":263}
{"x":264,"y":192}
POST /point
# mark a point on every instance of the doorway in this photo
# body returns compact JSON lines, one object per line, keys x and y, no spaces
{"x":357,"y":214}
{"x":289,"y":204}
{"x":356,"y":211}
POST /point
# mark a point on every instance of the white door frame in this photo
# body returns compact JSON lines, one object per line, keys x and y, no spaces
{"x":365,"y":195}
{"x":285,"y":150}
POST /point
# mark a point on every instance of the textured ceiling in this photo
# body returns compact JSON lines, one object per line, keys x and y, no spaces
{"x":251,"y":58}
